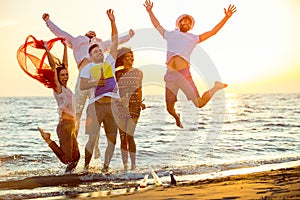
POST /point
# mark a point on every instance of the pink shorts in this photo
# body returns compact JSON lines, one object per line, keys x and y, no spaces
{"x":176,"y":80}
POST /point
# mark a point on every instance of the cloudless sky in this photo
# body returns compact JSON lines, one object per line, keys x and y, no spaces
{"x":256,"y":51}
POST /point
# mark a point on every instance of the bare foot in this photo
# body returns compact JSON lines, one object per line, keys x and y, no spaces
{"x":105,"y":169}
{"x":126,"y":167}
{"x":220,"y":85}
{"x":133,"y":167}
{"x":45,"y":135}
{"x":178,"y":122}
{"x":86,"y":169}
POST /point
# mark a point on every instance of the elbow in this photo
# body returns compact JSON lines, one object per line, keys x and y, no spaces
{"x":213,"y":32}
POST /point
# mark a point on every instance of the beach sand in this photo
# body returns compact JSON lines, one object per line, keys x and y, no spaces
{"x":274,"y":184}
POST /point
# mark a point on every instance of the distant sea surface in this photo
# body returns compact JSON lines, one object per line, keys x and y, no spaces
{"x":232,"y":131}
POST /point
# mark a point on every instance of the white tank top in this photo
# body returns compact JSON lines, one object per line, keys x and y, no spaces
{"x":65,"y":101}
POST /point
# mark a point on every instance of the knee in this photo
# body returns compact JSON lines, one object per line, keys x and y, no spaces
{"x":92,"y":138}
{"x":130,"y":139}
{"x":199,"y":103}
{"x":123,"y":141}
{"x":112,"y":139}
{"x":132,"y":146}
{"x":91,"y":142}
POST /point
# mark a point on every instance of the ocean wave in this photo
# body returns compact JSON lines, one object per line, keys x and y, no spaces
{"x":257,"y":127}
{"x":9,"y":158}
{"x":71,"y":185}
{"x":282,"y":125}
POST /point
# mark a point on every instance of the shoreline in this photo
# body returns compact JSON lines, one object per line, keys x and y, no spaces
{"x":271,"y":181}
{"x":273,"y":184}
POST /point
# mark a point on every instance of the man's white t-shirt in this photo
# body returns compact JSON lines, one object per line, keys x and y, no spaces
{"x":180,"y":43}
{"x":92,"y":71}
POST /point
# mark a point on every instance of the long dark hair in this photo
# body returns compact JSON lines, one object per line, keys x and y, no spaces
{"x":46,"y":76}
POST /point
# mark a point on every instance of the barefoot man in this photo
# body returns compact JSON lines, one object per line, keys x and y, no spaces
{"x":180,"y":44}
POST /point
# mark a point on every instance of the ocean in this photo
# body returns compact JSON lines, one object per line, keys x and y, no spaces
{"x":233,"y":131}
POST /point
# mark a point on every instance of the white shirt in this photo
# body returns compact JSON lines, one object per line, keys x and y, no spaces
{"x":65,"y":101}
{"x":81,"y":44}
{"x":181,"y":44}
{"x":92,"y":72}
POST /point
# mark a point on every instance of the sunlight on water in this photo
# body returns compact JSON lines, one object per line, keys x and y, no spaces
{"x":238,"y":131}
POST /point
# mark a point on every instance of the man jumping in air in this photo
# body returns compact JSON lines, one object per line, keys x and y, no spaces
{"x":180,"y":44}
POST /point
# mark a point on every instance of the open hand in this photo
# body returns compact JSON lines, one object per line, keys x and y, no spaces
{"x":110,"y":14}
{"x":230,"y":10}
{"x":148,"y":5}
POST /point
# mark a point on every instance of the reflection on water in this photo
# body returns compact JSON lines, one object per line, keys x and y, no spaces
{"x":242,"y":130}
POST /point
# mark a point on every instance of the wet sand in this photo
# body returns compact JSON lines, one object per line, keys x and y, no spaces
{"x":274,"y":184}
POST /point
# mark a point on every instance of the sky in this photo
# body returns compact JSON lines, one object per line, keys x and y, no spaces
{"x":257,"y":51}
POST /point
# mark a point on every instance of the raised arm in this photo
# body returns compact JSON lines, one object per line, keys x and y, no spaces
{"x":52,"y":63}
{"x":121,"y":40}
{"x":149,"y":5}
{"x":114,"y":33}
{"x":228,"y":13}
{"x":126,"y":38}
{"x":57,"y":31}
{"x":65,"y":56}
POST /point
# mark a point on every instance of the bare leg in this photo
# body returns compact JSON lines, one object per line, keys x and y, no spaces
{"x":132,"y":158}
{"x":171,"y":111}
{"x":124,"y":149}
{"x":96,"y":148}
{"x":87,"y":159}
{"x":202,"y":101}
{"x":55,"y":148}
{"x":45,"y":135}
{"x":111,"y":131}
{"x":125,"y":159}
{"x":108,"y":154}
{"x":89,"y":147}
